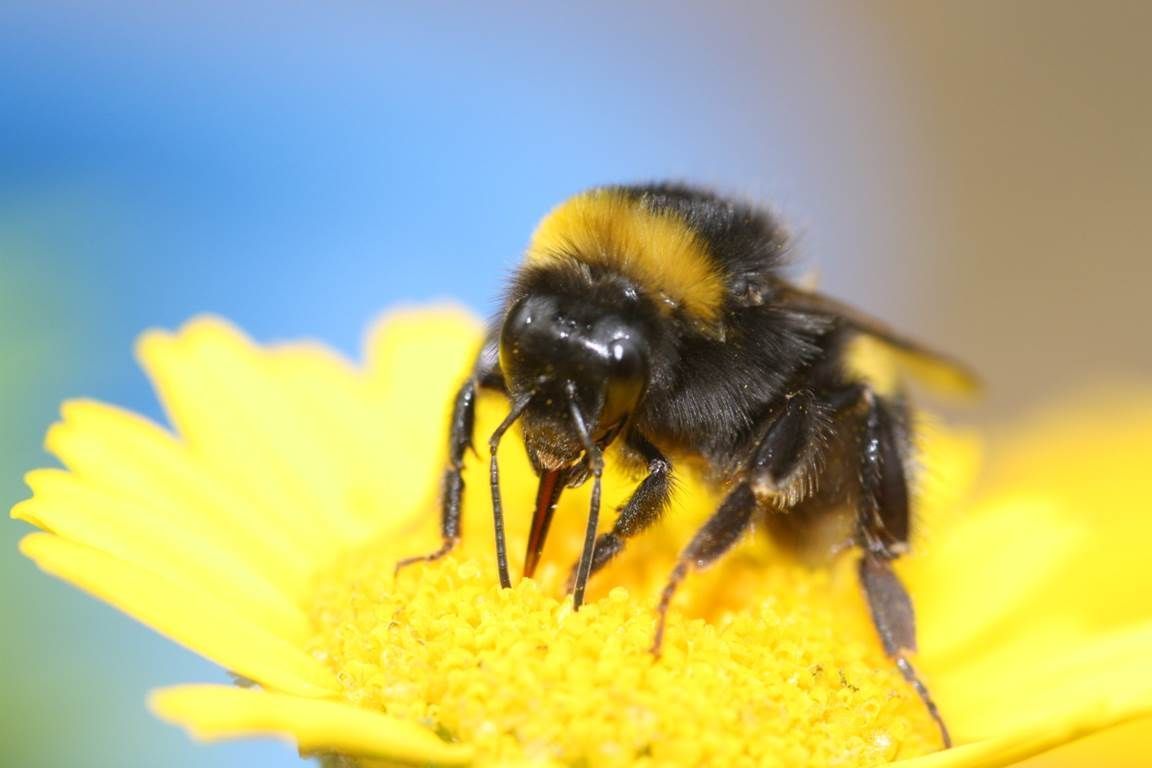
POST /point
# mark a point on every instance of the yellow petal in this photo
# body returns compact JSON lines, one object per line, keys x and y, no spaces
{"x":1028,"y":538}
{"x":203,"y":622}
{"x":1038,"y":677}
{"x":133,"y":458}
{"x":1016,"y":745}
{"x":223,"y":400}
{"x":144,"y":536}
{"x":418,"y":341}
{"x":372,"y":486}
{"x":1124,"y":746}
{"x":212,"y":712}
{"x":1093,"y":460}
{"x":415,"y":362}
{"x":951,"y":461}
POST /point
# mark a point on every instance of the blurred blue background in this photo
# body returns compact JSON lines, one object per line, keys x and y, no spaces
{"x":979,"y":175}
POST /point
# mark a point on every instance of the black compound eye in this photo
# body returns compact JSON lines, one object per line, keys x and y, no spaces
{"x":627,"y":375}
{"x":526,"y":317}
{"x":528,"y":337}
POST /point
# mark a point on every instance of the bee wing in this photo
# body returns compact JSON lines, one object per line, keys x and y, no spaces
{"x":939,"y":372}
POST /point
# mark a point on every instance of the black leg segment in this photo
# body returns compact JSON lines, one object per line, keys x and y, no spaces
{"x":895,"y":622}
{"x":891,"y":608}
{"x":644,"y":507}
{"x":485,"y":375}
{"x":792,"y":438}
{"x":883,"y":516}
{"x":494,"y":486}
{"x":452,"y":486}
{"x":593,"y":454}
{"x":884,"y":509}
{"x":722,"y":530}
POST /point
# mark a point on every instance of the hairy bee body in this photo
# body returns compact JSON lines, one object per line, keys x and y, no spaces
{"x":657,"y":318}
{"x":722,"y":355}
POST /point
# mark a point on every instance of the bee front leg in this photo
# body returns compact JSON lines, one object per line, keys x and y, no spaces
{"x":644,"y":507}
{"x":485,"y":375}
{"x":882,"y":531}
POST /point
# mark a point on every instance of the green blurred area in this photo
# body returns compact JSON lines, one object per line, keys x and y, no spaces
{"x":36,"y":680}
{"x":22,"y":359}
{"x":62,"y":695}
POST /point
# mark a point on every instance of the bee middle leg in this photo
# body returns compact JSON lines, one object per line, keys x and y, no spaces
{"x":781,"y":459}
{"x":717,"y":536}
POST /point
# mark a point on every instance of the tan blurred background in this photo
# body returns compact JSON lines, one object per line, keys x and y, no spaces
{"x":1033,"y":125}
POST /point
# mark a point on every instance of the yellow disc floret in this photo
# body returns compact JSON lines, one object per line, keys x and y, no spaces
{"x":522,"y":677}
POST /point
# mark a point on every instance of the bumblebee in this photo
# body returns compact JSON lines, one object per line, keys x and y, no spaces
{"x":658,"y":317}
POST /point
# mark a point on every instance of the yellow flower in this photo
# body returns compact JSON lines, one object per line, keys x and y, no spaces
{"x":262,"y":534}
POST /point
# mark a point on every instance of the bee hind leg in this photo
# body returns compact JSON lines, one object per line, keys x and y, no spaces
{"x":895,"y":622}
{"x":882,"y":531}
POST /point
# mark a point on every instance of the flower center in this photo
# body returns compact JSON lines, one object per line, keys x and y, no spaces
{"x":765,"y":663}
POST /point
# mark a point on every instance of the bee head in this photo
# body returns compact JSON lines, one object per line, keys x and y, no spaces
{"x":568,"y":352}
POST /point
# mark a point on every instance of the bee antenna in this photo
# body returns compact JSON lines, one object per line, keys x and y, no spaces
{"x":595,"y":458}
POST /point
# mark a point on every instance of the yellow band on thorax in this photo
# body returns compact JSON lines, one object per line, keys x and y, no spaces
{"x":657,"y":249}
